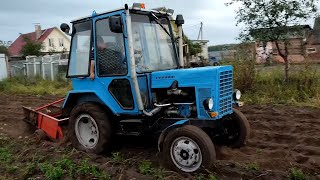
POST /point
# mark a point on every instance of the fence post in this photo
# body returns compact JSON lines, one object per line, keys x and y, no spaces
{"x":51,"y":71}
{"x":34,"y":67}
{"x":42,"y":68}
{"x":8,"y":66}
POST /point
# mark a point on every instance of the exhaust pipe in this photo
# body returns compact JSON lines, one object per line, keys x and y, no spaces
{"x":133,"y":72}
{"x":179,"y":22}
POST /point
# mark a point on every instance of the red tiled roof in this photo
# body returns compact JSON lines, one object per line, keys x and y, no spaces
{"x":16,"y":46}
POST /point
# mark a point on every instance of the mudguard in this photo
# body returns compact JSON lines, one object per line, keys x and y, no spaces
{"x":166,"y":131}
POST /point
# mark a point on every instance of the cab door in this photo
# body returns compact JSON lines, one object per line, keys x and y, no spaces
{"x":111,"y":65}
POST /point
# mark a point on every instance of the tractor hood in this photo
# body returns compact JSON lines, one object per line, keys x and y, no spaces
{"x":193,"y":77}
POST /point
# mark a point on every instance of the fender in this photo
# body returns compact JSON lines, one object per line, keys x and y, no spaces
{"x":76,"y":97}
{"x":166,"y":131}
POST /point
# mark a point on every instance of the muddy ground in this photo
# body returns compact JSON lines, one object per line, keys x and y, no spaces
{"x":282,"y":137}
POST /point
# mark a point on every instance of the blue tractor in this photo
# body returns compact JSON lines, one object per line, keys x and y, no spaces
{"x":127,"y":74}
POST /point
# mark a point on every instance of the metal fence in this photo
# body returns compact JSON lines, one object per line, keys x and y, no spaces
{"x":47,"y":67}
{"x":3,"y":67}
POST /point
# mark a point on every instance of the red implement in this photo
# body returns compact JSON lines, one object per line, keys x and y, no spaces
{"x":48,"y":118}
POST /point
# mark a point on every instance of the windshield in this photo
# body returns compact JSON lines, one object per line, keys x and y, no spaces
{"x":153,"y":47}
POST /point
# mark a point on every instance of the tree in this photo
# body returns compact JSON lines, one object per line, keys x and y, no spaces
{"x":194,"y":48}
{"x":4,"y":48}
{"x":275,"y":21}
{"x":31,"y":47}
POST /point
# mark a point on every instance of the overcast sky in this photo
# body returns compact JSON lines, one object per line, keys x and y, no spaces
{"x":19,"y":16}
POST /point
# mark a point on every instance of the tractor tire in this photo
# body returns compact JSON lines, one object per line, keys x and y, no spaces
{"x":188,"y":149}
{"x":89,"y":128}
{"x":243,"y":128}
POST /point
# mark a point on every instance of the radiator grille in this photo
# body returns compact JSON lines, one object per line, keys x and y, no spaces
{"x":225,"y":93}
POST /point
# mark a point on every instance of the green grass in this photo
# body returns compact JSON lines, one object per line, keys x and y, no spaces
{"x":302,"y":88}
{"x":266,"y":85}
{"x":34,"y":86}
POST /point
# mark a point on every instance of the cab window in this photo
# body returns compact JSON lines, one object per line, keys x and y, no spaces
{"x":110,"y":52}
{"x":80,"y":50}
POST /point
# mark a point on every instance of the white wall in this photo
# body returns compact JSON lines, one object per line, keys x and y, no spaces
{"x":56,"y":34}
{"x":3,"y":67}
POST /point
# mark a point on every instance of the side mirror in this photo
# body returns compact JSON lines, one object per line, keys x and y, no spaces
{"x":65,"y":28}
{"x":115,"y":24}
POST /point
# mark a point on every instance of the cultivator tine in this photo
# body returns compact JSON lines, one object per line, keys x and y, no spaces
{"x":30,"y":116}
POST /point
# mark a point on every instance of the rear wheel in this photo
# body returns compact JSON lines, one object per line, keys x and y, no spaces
{"x":89,"y":128}
{"x":188,"y":149}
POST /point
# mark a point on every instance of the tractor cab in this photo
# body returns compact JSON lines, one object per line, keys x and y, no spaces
{"x":128,"y":78}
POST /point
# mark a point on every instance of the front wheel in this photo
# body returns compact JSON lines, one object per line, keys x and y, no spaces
{"x":89,"y":128}
{"x":187,"y":149}
{"x":236,"y":129}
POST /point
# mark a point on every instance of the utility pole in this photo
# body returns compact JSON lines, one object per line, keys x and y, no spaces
{"x":200,"y":35}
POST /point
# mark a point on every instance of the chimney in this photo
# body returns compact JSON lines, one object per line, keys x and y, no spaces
{"x":38,"y":31}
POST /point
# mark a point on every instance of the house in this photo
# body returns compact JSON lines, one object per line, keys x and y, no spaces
{"x":313,"y":42}
{"x":302,"y":46}
{"x":204,"y":46}
{"x":52,"y":39}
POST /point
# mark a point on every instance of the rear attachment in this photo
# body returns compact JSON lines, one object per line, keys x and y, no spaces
{"x":47,"y":118}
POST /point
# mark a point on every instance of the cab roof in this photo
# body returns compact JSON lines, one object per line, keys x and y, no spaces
{"x":86,"y":18}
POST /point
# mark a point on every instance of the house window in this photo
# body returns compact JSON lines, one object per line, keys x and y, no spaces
{"x":51,"y":43}
{"x":61,"y":44}
{"x":311,"y":50}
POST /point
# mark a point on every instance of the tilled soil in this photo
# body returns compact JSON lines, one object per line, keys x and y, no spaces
{"x":282,"y":137}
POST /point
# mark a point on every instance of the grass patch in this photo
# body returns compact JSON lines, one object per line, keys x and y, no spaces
{"x":296,"y":174}
{"x":266,"y":85}
{"x":35,"y":86}
{"x":67,"y":167}
{"x":5,"y":156}
{"x":253,"y":167}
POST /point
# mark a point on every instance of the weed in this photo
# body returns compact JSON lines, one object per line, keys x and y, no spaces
{"x":68,"y":165}
{"x":13,"y":169}
{"x":145,"y":167}
{"x":253,"y":167}
{"x":200,"y":177}
{"x":29,"y":169}
{"x":5,"y":156}
{"x":86,"y":169}
{"x":117,"y":158}
{"x":296,"y":174}
{"x":159,"y":174}
{"x":51,"y":172}
{"x":212,"y":177}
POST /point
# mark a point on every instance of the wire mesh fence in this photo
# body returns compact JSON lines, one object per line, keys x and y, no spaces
{"x":48,"y":67}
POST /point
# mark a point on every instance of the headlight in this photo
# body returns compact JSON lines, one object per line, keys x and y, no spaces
{"x":236,"y":95}
{"x":208,"y":104}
